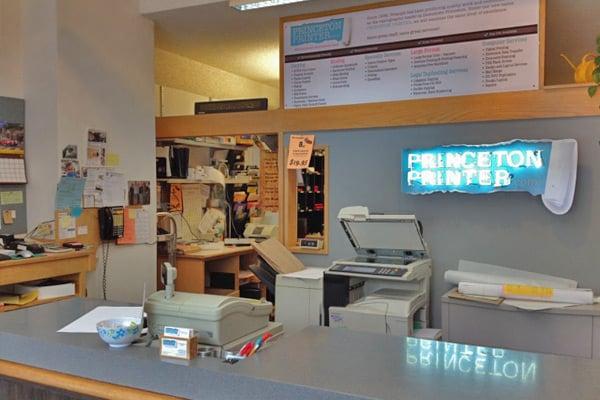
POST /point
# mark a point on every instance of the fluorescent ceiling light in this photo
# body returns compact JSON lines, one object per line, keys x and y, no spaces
{"x":244,"y":5}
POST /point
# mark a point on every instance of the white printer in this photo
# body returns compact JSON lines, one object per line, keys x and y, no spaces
{"x":217,"y":320}
{"x":385,"y":287}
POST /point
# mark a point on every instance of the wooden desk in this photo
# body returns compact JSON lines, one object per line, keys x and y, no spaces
{"x":71,"y":266}
{"x":194,"y":269}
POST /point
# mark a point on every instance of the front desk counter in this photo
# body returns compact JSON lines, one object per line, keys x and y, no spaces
{"x":316,"y":363}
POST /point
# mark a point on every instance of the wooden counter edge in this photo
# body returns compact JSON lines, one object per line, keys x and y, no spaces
{"x":218,"y":254}
{"x":75,"y":384}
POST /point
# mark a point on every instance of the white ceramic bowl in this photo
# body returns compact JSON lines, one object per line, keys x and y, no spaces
{"x":119,"y":332}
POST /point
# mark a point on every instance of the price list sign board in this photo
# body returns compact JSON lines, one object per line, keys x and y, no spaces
{"x":420,"y":50}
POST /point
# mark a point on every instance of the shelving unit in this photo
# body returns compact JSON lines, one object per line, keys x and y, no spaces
{"x":220,"y":272}
{"x":194,"y":143}
{"x":240,"y":180}
{"x":222,"y":292}
{"x":307,"y":211}
{"x":184,"y":181}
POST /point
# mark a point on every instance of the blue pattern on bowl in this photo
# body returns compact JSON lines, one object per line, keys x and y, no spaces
{"x":119,"y":332}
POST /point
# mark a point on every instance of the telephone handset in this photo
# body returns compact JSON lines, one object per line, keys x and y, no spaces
{"x":111,"y":222}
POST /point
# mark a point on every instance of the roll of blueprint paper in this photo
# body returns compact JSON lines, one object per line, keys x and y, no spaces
{"x":527,"y":292}
{"x":456,"y":277}
{"x":469,"y":271}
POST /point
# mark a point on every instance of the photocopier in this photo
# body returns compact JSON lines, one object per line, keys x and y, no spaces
{"x":217,"y":320}
{"x":385,"y":287}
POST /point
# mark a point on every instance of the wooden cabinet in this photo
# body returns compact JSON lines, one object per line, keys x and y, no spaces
{"x":72,"y":266}
{"x":220,"y":272}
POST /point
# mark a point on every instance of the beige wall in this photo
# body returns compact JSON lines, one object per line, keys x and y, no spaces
{"x":152,"y":6}
{"x":90,"y":64}
{"x":11,"y":54}
{"x":571,"y":28}
{"x":182,"y":73}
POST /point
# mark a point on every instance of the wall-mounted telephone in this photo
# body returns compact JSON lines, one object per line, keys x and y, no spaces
{"x":111,"y":222}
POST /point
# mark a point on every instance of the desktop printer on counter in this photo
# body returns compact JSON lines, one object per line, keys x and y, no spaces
{"x":217,"y":320}
{"x":263,"y":228}
{"x":260,"y":231}
{"x":385,"y":288}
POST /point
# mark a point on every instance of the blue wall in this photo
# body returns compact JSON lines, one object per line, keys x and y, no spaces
{"x":510,"y":229}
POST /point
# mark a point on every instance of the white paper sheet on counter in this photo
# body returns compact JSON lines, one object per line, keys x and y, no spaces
{"x":87,"y":322}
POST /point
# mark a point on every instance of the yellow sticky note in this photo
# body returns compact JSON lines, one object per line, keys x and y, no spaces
{"x":113,"y":160}
{"x":15,"y":197}
{"x":132,"y":213}
{"x":7,"y":217}
{"x":65,"y":221}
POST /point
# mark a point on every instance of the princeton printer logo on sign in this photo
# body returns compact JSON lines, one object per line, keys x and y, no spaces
{"x":516,"y":166}
{"x":544,"y":167}
{"x":319,"y":32}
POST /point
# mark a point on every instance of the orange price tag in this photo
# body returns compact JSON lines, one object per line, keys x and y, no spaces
{"x":300,"y":151}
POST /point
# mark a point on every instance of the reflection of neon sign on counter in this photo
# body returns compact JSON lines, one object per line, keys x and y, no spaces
{"x":513,"y":166}
{"x":472,"y":360}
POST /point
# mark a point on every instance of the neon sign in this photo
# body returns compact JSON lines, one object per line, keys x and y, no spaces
{"x":513,"y":166}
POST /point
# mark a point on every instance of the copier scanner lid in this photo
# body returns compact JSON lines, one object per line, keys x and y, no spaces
{"x":382,"y":234}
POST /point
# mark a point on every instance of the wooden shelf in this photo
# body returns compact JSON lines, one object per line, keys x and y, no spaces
{"x":243,"y":180}
{"x":566,"y":102}
{"x":187,"y":181}
{"x":306,"y":250}
{"x":194,"y":143}
{"x":33,"y":303}
{"x":246,"y":276}
{"x":582,"y":86}
{"x":222,"y":292}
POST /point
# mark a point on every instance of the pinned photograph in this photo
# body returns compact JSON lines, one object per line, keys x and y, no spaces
{"x":96,"y":156}
{"x":70,"y":151}
{"x":70,"y":168}
{"x":95,"y":136}
{"x":12,"y":138}
{"x":139,"y":193}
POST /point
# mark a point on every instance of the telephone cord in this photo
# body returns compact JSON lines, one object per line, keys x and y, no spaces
{"x":105,"y":248}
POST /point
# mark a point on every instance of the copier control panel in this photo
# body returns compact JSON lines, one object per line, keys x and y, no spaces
{"x":369,"y":270}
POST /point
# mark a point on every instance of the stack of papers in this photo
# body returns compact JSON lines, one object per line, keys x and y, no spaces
{"x":18,"y":300}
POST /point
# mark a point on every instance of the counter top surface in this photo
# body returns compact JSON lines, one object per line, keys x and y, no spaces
{"x":317,"y":362}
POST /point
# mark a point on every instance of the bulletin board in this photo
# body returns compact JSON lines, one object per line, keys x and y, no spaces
{"x":87,"y":229}
{"x":13,"y":215}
